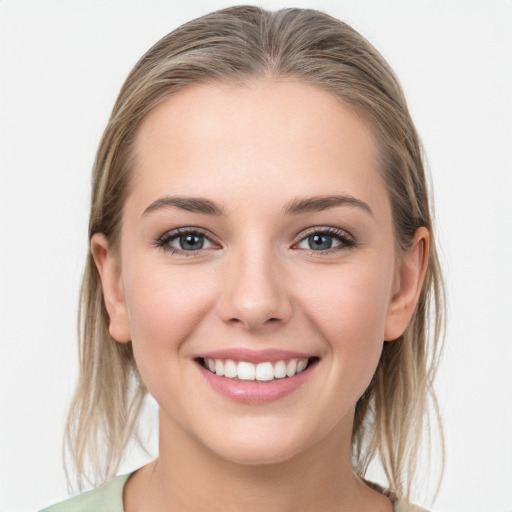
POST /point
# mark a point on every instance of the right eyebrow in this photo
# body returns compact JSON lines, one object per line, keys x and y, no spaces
{"x":190,"y":204}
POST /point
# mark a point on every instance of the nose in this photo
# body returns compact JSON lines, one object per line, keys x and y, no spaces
{"x":255,"y":290}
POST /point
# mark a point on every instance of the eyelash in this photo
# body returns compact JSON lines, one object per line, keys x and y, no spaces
{"x":347,"y":241}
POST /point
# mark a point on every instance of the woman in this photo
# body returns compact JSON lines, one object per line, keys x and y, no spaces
{"x":263,"y":263}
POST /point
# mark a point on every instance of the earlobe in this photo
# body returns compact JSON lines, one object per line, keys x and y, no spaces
{"x":409,"y":282}
{"x":113,"y":292}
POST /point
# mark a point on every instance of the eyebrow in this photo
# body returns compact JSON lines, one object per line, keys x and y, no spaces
{"x":296,"y":206}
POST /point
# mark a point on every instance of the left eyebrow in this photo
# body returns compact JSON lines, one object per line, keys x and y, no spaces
{"x":300,"y":205}
{"x":296,"y":206}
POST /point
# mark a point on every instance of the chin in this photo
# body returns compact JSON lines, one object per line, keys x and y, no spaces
{"x":263,"y":454}
{"x":258,"y":446}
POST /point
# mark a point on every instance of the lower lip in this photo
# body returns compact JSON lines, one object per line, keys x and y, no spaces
{"x":253,"y":392}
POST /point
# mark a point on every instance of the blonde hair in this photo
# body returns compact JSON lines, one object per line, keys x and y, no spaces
{"x":239,"y":44}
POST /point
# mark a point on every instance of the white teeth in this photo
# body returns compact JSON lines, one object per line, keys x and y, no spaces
{"x":291,"y":368}
{"x":301,"y":365}
{"x":280,"y":370}
{"x":230,"y":369}
{"x":219,"y":367}
{"x":246,"y":371}
{"x":264,"y":372}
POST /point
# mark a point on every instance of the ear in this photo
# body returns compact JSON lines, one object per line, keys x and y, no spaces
{"x":408,"y":285}
{"x":113,"y":293}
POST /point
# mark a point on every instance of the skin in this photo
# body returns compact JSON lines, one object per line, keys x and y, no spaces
{"x":257,"y":283}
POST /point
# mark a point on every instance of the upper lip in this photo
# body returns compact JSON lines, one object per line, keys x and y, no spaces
{"x":252,"y":356}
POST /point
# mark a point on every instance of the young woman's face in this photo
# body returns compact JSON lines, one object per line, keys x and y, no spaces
{"x":257,"y":235}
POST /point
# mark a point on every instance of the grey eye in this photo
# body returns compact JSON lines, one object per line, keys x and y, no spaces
{"x":192,"y":241}
{"x":318,"y":241}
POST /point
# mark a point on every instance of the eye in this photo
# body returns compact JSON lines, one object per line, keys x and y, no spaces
{"x":319,"y":241}
{"x":184,"y":241}
{"x":326,"y":241}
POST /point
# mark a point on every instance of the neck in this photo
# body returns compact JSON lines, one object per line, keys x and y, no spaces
{"x":187,"y":476}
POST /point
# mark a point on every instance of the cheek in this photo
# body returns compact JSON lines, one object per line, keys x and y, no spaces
{"x":165,"y":307}
{"x":164,"y":304}
{"x":349,"y":308}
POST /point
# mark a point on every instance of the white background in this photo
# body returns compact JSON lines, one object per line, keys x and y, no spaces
{"x":62,"y":63}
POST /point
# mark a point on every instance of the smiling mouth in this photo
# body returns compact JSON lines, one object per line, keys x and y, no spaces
{"x":267,"y":371}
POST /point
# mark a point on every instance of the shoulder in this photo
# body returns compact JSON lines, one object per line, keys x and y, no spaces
{"x":405,"y":506}
{"x":399,"y":505}
{"x":107,"y":498}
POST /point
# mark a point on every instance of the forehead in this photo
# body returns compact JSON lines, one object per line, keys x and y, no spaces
{"x":265,"y":139}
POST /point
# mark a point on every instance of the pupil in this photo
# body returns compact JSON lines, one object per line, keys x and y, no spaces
{"x":193,"y":242}
{"x":320,"y":240}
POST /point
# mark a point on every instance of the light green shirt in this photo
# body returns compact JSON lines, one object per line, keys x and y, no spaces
{"x":107,"y":498}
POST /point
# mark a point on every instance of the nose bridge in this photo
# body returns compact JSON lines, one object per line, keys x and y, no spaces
{"x":254,"y":290}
